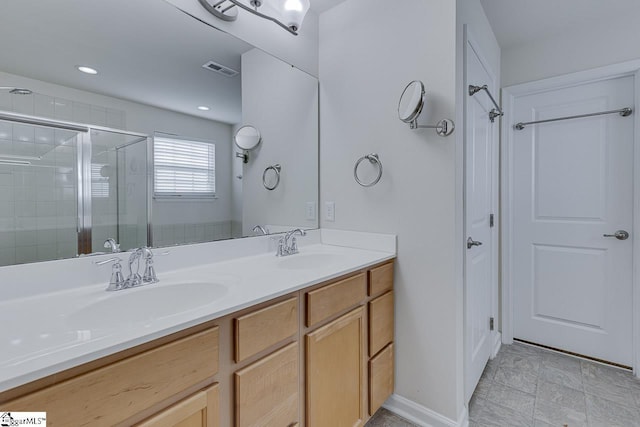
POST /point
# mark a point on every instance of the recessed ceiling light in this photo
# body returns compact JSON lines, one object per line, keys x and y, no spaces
{"x":203,"y":108}
{"x":87,"y":70}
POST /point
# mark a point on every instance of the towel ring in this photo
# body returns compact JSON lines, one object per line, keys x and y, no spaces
{"x":374,"y":160}
{"x":276,"y":169}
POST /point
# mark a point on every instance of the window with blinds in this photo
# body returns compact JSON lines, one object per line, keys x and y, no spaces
{"x":99,"y":183}
{"x":184,"y":168}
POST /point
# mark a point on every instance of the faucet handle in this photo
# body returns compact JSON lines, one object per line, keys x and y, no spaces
{"x":117,"y":279}
{"x":281,"y":247}
{"x":149,"y":275}
{"x":294,"y":246}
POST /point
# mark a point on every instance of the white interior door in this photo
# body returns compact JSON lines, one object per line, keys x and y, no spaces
{"x":572,"y":184}
{"x":480,"y":258}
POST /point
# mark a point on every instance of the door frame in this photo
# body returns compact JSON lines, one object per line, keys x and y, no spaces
{"x":470,"y":41}
{"x":509,"y":96}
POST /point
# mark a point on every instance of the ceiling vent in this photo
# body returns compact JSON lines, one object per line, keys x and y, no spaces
{"x":220,"y":69}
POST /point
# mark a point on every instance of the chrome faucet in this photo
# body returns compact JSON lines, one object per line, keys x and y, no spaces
{"x":260,"y":230}
{"x":134,"y":279}
{"x":111,"y":243}
{"x":288,"y":245}
{"x":149,"y":276}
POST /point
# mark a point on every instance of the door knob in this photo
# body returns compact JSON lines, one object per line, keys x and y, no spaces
{"x":620,"y":235}
{"x":471,"y":243}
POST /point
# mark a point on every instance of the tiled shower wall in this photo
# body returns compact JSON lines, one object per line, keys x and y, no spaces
{"x":38,"y":202}
{"x":181,"y":233}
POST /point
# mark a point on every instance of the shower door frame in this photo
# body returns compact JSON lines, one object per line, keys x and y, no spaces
{"x":84,"y":226}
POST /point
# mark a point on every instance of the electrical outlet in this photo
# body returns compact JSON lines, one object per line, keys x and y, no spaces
{"x":311,"y":211}
{"x":330,"y":211}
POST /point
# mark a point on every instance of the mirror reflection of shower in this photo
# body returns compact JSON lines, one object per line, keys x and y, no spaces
{"x":65,"y":188}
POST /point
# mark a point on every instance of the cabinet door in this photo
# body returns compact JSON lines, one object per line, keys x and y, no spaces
{"x":266,"y":392}
{"x":199,"y":410}
{"x":334,"y":356}
{"x":380,"y":378}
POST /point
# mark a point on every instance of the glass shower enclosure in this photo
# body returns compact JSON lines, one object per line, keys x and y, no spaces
{"x":65,"y":188}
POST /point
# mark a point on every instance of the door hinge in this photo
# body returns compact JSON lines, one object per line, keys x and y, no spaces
{"x":491,"y":323}
{"x":491,"y":220}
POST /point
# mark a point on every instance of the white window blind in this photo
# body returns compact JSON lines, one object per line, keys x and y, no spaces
{"x":184,"y":168}
{"x":99,"y":183}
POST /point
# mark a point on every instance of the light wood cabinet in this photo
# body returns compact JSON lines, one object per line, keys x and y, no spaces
{"x":329,"y":300}
{"x":200,"y":410}
{"x":113,"y":393}
{"x":380,"y":323}
{"x":380,"y":378}
{"x":334,"y":362}
{"x":266,"y":392}
{"x":381,"y":279}
{"x":317,"y":357}
{"x":261,"y":329}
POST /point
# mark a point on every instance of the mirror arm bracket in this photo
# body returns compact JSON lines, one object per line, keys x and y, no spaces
{"x":244,"y":156}
{"x":444,"y":127}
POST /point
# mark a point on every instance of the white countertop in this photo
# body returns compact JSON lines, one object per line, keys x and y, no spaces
{"x":46,"y":333}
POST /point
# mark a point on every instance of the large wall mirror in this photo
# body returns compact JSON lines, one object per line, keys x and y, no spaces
{"x":143,"y":151}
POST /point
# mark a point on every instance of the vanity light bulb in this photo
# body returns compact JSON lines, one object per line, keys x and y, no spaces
{"x":293,"y":12}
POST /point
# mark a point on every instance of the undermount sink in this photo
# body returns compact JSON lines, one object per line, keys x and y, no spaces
{"x":145,"y":304}
{"x":307,"y":261}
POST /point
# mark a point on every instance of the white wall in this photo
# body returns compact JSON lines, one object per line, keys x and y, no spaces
{"x":282,"y":103}
{"x":147,"y":119}
{"x":607,"y":42}
{"x":300,"y":50}
{"x":369,"y":52}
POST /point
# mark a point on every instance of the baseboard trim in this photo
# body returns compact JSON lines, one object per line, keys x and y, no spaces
{"x":422,"y":416}
{"x":497,"y":343}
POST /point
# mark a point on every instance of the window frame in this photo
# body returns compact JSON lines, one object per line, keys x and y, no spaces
{"x":167,"y":196}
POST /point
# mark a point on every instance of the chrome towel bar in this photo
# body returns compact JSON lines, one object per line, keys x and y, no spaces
{"x":624,"y":112}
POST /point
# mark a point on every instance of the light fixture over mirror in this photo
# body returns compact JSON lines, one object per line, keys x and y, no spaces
{"x":288,"y":14}
{"x":412,"y":101}
{"x":247,"y":138}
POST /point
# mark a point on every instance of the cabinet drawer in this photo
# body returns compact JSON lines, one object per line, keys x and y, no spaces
{"x":267,"y":391}
{"x":380,"y":378}
{"x":261,"y":329}
{"x":118,"y":391}
{"x":198,"y":410}
{"x":380,"y":322}
{"x":332,"y":299}
{"x":381,"y":279}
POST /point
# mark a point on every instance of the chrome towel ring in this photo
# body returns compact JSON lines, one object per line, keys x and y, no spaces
{"x":374,"y":160}
{"x":276,"y":169}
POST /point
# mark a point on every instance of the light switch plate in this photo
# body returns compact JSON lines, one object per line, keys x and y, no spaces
{"x":330,"y":211}
{"x":311,"y":210}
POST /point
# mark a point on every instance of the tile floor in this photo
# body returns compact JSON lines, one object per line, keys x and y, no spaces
{"x":532,"y":387}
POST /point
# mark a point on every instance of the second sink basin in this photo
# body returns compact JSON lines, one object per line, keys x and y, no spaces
{"x":145,"y":304}
{"x":307,"y":261}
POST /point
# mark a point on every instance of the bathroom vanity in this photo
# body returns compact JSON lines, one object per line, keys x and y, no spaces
{"x":310,"y":344}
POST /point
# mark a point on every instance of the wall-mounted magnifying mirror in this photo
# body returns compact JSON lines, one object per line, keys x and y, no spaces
{"x":412,"y":102}
{"x":247,"y":138}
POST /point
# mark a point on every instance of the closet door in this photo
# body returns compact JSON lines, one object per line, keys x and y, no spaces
{"x":572,"y":191}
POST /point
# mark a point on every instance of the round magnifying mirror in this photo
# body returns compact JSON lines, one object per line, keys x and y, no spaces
{"x":411,"y":101}
{"x":247,"y":138}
